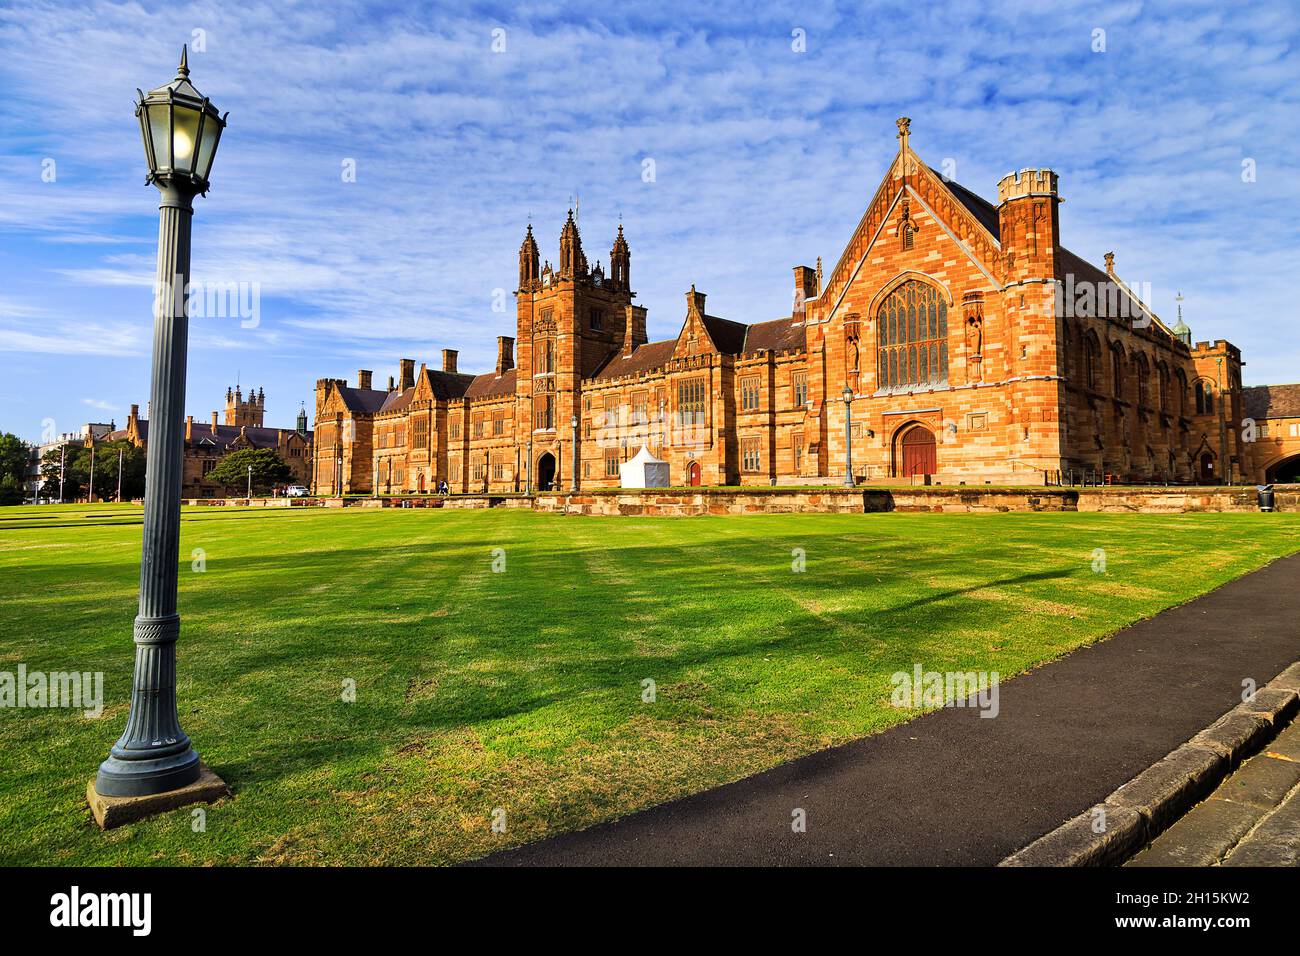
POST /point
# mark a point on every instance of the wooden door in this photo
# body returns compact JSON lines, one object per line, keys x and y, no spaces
{"x":693,"y":474}
{"x":918,"y":452}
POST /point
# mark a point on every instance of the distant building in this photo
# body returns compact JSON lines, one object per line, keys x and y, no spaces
{"x":83,"y":435}
{"x":207,"y":443}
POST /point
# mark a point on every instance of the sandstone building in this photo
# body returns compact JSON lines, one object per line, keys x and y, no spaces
{"x":206,"y":443}
{"x":967,"y":344}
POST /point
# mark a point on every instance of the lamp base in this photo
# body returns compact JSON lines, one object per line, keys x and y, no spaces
{"x":110,"y":811}
{"x":145,"y":777}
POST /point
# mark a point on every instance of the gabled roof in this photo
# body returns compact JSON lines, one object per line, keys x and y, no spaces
{"x":397,"y":400}
{"x":491,"y":385}
{"x":446,"y":385}
{"x":1271,"y":401}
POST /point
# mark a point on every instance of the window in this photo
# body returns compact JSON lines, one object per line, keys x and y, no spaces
{"x":1262,"y":430}
{"x":1204,"y":399}
{"x":1091,"y":359}
{"x":208,"y":465}
{"x":690,"y":402}
{"x":611,"y":411}
{"x":751,"y":454}
{"x":800,"y":382}
{"x":639,"y":409}
{"x":453,"y":469}
{"x":913,"y":337}
{"x":1295,"y":431}
{"x":544,"y":411}
{"x":544,"y":359}
{"x":498,"y":469}
{"x":480,"y":470}
{"x":420,"y":431}
{"x":796,"y":443}
{"x":478,"y":426}
{"x":1117,"y":371}
{"x":455,"y":429}
{"x":611,"y":464}
{"x":596,"y":319}
{"x":749,"y":394}
{"x":498,"y":423}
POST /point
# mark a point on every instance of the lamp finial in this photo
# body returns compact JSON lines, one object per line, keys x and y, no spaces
{"x":184,"y":68}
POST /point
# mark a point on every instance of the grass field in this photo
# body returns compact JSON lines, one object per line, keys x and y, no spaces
{"x":522,"y":690}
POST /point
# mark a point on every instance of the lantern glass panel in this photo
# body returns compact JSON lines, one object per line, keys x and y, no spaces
{"x":207,"y":146}
{"x":184,"y":138}
{"x":161,"y":135}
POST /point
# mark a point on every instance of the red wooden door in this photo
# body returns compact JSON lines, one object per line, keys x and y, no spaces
{"x":918,"y":452}
{"x":693,"y":474}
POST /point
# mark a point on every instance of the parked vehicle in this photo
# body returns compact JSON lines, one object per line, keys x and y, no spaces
{"x":295,"y":491}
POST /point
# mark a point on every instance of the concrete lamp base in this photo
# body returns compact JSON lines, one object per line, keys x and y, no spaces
{"x":112,"y":812}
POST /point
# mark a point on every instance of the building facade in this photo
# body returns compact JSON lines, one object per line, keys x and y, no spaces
{"x":954,"y":341}
{"x":206,"y":443}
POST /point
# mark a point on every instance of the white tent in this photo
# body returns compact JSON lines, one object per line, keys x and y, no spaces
{"x":643,"y":470}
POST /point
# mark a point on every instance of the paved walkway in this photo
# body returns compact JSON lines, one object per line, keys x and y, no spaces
{"x":1252,"y":819}
{"x":951,"y":788}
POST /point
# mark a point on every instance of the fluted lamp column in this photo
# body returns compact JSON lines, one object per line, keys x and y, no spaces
{"x":153,"y":766}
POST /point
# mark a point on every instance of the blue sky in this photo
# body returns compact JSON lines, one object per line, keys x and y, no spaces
{"x":764,"y":158}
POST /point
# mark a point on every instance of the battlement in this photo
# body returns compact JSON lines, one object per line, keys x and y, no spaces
{"x":1027,"y":182}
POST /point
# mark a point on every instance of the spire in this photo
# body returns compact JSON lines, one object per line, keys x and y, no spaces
{"x":573,"y":264}
{"x":904,"y":124}
{"x":1181,"y":330}
{"x":620,"y":262}
{"x":528,"y":271}
{"x":183,"y":70}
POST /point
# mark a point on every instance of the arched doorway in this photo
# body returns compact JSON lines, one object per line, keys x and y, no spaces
{"x":1284,"y":472}
{"x":693,"y":474}
{"x":546,"y":472}
{"x":916,"y":452}
{"x":1206,"y":470}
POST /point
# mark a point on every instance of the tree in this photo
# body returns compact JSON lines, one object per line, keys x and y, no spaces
{"x":14,"y":454}
{"x":268,"y":469}
{"x":76,"y":471}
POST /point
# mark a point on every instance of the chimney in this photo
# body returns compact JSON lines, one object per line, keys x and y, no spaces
{"x":449,"y":360}
{"x":634,"y":333}
{"x":135,"y":414}
{"x":694,"y":302}
{"x":214,"y":423}
{"x":505,"y":354}
{"x":406,"y":367}
{"x":392,"y":383}
{"x":364,"y":378}
{"x":189,"y":427}
{"x":805,"y":288}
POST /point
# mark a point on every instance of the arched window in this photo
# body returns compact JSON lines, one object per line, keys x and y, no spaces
{"x":1204,"y":399}
{"x":1117,"y":370}
{"x":1091,"y":362}
{"x":912,"y":332}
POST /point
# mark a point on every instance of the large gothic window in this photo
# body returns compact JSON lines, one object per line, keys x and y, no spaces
{"x":912,"y":329}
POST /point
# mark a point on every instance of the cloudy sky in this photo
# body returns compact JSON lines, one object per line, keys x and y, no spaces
{"x":1173,"y":128}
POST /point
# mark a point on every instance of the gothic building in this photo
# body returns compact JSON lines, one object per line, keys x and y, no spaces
{"x":954,"y":341}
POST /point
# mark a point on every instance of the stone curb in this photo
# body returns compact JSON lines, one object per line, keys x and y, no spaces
{"x":1141,"y":809}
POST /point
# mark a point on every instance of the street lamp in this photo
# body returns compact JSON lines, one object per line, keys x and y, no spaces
{"x":180,"y":128}
{"x":250,"y":482}
{"x":573,"y":481}
{"x":848,"y":437}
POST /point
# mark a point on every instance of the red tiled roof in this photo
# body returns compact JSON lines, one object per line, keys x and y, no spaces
{"x":775,"y":336}
{"x":491,"y":385}
{"x":1271,"y":401}
{"x":643,"y":359}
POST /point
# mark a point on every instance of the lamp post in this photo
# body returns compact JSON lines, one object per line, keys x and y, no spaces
{"x":250,"y":482}
{"x":119,"y":475}
{"x":848,"y":437}
{"x":90,"y":495}
{"x":573,"y":481}
{"x":528,"y":469}
{"x":181,"y":129}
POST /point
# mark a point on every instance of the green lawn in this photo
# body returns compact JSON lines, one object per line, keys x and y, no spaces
{"x":522,"y":690}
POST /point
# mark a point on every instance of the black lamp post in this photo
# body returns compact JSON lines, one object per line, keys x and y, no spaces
{"x":848,"y":437}
{"x":181,"y":129}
